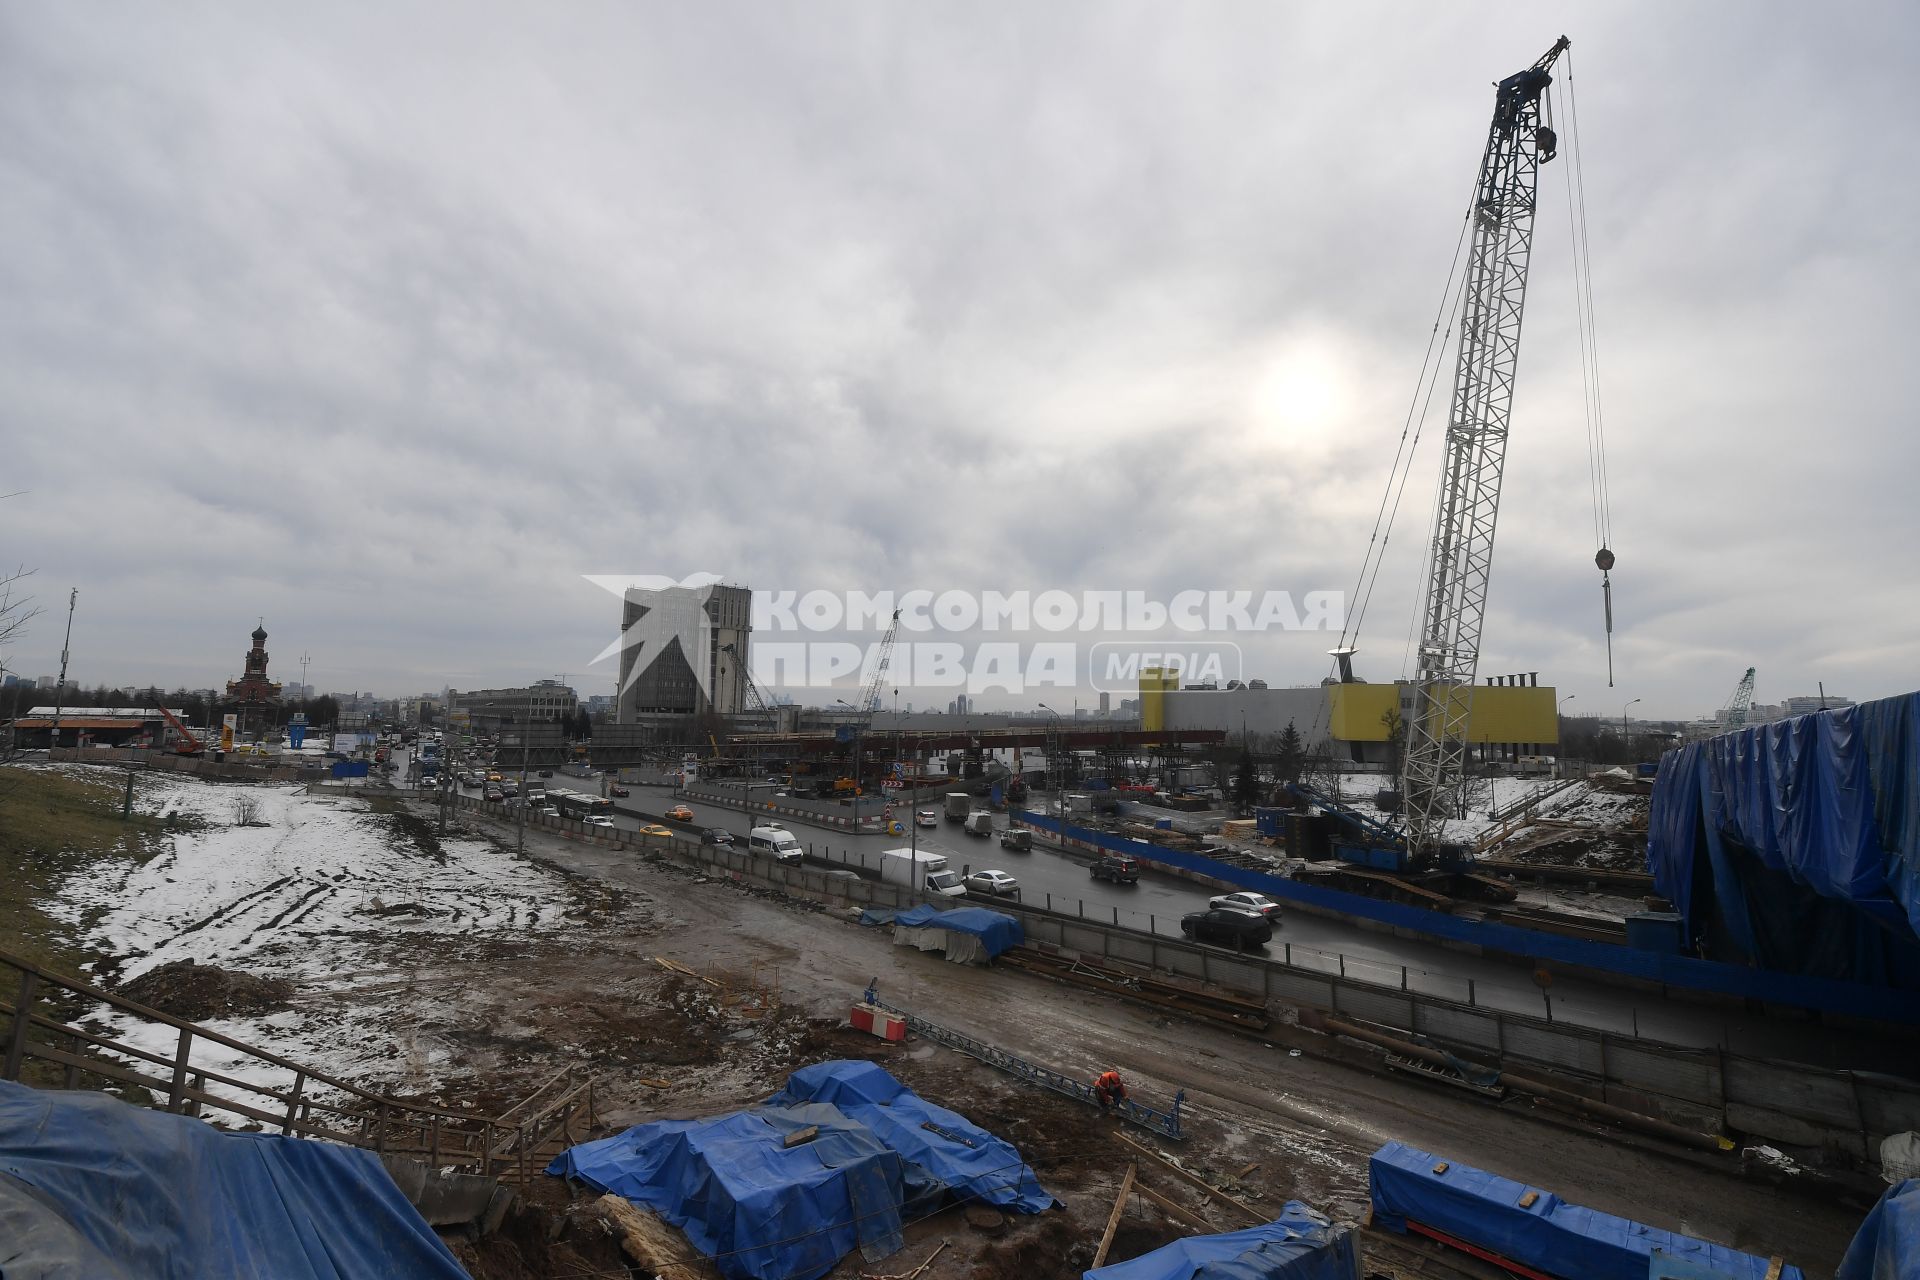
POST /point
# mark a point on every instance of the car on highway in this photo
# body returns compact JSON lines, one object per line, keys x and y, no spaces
{"x":719,"y":837}
{"x":679,"y":813}
{"x":494,"y":793}
{"x":998,"y":884}
{"x":1116,"y":870}
{"x":547,"y":811}
{"x":1257,"y":903}
{"x":927,"y":818}
{"x":1225,"y":927}
{"x":1020,"y":840}
{"x":946,"y":884}
{"x":546,"y":773}
{"x":618,"y":792}
{"x":599,"y":820}
{"x":654,"y":829}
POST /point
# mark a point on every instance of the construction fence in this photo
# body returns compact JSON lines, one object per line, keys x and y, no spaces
{"x":1842,"y":1113}
{"x":1800,"y":991}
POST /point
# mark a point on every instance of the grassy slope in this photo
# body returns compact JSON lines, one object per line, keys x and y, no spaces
{"x":50,"y":826}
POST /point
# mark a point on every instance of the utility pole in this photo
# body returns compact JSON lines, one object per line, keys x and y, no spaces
{"x":60,"y":690}
{"x":520,"y":840}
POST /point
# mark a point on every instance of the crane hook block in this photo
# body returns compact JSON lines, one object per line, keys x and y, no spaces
{"x":1604,"y":558}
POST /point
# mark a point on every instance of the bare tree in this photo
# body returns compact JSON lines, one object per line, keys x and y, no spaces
{"x":16,"y":611}
{"x":246,"y":811}
{"x":1396,"y":726}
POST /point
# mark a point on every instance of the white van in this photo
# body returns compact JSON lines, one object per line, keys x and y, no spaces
{"x":978,"y":823}
{"x":775,"y":842}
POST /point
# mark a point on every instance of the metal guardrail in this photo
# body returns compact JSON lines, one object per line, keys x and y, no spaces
{"x":1164,"y":1123}
{"x":310,"y":1104}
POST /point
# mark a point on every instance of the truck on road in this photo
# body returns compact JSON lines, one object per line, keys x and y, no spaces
{"x":959,"y":805}
{"x":900,"y":866}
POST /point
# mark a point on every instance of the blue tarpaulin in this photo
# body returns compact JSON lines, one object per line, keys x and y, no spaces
{"x":996,"y":931}
{"x":760,"y":1209}
{"x":964,"y":1161}
{"x":1887,"y":1246}
{"x":1546,"y":1233}
{"x":1795,"y":845}
{"x":1298,"y":1245}
{"x":90,"y":1186}
{"x":765,"y":1211}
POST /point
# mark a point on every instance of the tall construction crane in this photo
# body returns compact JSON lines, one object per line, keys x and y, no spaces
{"x":1734,"y":715}
{"x":869,"y":702}
{"x":1460,"y":561}
{"x":757,"y":705}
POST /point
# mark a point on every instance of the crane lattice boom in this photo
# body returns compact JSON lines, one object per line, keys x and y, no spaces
{"x":1740,"y":703}
{"x":1461,"y":559}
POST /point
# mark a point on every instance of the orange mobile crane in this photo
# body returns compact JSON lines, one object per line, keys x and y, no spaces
{"x":188,"y":745}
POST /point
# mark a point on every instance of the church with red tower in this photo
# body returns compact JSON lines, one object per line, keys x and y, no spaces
{"x":253,"y":697}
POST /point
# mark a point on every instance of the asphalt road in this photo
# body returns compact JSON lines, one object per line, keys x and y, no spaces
{"x":1059,"y":880}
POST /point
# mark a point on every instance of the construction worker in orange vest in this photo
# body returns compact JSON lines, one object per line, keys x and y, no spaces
{"x":1108,"y":1090}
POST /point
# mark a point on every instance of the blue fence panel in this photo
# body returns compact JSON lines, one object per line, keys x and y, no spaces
{"x":1854,"y":999}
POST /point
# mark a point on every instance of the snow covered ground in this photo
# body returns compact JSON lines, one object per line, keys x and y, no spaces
{"x":1486,"y":796}
{"x":327,"y":893}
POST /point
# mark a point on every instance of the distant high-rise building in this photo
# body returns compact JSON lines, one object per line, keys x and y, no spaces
{"x":1105,"y":703}
{"x":44,"y":682}
{"x":683,"y":652}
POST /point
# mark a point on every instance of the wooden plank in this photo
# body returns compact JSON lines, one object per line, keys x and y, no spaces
{"x":799,"y":1136}
{"x":1254,"y":1217}
{"x":1174,"y":1209}
{"x":1113,"y":1219}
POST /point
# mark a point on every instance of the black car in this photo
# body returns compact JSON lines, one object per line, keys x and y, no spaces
{"x":716,"y":836}
{"x":1240,"y":930}
{"x":546,"y":773}
{"x":617,"y":792}
{"x":1117,"y":870}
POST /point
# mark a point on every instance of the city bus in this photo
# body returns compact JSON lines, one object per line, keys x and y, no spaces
{"x":572,"y":804}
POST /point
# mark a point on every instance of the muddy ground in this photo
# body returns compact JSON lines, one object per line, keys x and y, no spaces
{"x":688,"y":995}
{"x":1265,"y":1124}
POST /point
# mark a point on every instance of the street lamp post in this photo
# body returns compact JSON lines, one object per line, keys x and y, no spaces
{"x":1623,"y":728}
{"x":1059,"y":774}
{"x":857,"y":735}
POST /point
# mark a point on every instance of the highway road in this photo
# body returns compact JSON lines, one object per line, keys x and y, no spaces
{"x":1059,"y":880}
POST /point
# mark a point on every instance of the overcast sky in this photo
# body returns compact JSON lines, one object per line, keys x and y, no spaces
{"x":389,"y":322}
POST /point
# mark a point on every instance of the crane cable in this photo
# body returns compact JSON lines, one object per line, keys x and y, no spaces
{"x":1438,"y":336}
{"x":1410,"y":431}
{"x":1588,"y":332}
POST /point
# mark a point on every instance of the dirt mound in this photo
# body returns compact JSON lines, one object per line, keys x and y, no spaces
{"x":538,"y":1243}
{"x":1050,"y":1245}
{"x":198,"y":992}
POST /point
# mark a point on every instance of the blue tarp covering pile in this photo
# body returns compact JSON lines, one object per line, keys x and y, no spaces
{"x":996,"y":931}
{"x":1298,"y":1245}
{"x":90,"y":1186}
{"x":1546,"y":1234}
{"x":966,"y":1161}
{"x":755,"y":1206}
{"x":765,"y":1211}
{"x":1887,"y":1246}
{"x":1795,"y":845}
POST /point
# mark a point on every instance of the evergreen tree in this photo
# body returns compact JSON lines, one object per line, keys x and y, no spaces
{"x":1291,"y":755}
